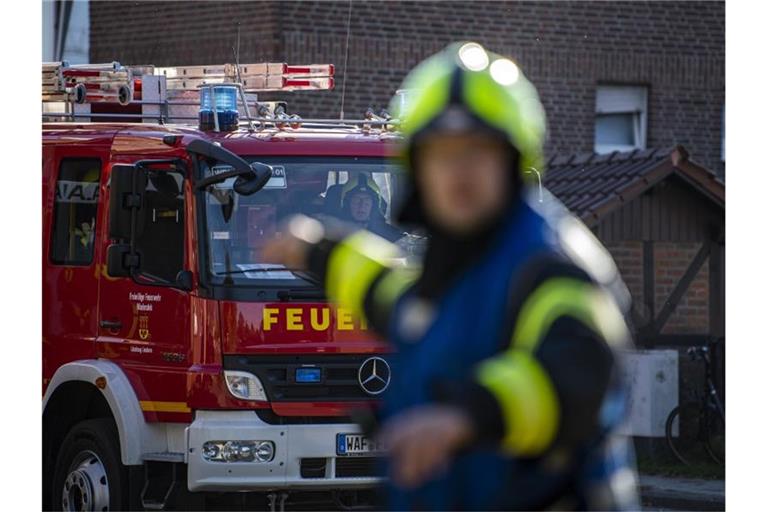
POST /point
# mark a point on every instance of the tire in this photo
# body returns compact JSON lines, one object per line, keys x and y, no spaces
{"x":89,"y":474}
{"x":683,"y":446}
{"x":715,"y":437}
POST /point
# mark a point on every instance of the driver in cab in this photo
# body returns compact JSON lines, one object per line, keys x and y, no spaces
{"x":362,"y":205}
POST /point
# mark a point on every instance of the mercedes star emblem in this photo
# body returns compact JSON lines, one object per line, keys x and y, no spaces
{"x":374,"y":375}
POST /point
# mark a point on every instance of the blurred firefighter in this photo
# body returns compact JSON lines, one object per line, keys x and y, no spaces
{"x":505,"y":388}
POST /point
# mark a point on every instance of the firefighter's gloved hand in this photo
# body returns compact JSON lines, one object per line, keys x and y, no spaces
{"x":422,"y":440}
{"x":367,"y":420}
{"x":292,"y":247}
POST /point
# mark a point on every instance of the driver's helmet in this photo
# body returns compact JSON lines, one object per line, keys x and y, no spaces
{"x":365,"y":184}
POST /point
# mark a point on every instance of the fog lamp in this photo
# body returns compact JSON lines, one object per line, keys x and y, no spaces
{"x":239,"y":451}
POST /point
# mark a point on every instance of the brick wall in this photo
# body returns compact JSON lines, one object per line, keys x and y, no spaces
{"x":677,"y":49}
{"x":629,"y":260}
{"x":691,"y":316}
{"x":182,"y":33}
{"x":671,"y":259}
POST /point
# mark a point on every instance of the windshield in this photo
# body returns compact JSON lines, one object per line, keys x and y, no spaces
{"x":361,"y":191}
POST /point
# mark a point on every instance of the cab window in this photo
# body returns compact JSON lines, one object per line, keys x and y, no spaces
{"x":358,"y":191}
{"x":161,"y":243}
{"x":74,"y":211}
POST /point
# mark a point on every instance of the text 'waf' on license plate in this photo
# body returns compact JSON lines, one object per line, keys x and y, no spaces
{"x":356,"y":444}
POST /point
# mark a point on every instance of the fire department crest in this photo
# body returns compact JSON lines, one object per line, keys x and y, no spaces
{"x":144,"y":333}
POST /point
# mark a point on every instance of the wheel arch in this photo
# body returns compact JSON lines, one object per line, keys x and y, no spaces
{"x":73,"y":395}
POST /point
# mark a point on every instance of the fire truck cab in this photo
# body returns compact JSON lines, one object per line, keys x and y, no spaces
{"x":177,"y":364}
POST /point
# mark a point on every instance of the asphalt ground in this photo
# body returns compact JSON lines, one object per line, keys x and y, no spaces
{"x":670,"y":493}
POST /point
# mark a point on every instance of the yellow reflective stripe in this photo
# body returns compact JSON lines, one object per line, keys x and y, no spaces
{"x":527,"y":400}
{"x":393,"y":285}
{"x":559,"y":297}
{"x":353,"y":265}
{"x":429,"y":86}
{"x":150,"y":406}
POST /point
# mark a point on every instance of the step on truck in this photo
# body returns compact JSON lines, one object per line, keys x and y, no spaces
{"x":180,"y":370}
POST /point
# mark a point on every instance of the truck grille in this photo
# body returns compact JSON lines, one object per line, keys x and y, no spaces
{"x":312,"y":468}
{"x":278,"y":375}
{"x":346,"y":467}
{"x":351,"y":467}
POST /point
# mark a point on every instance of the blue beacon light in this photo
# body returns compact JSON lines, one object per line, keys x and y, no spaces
{"x":308,"y":375}
{"x":226,"y":107}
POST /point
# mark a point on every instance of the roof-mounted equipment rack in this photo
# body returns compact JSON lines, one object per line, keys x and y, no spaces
{"x":114,"y":92}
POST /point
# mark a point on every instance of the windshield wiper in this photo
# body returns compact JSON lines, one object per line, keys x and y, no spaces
{"x":257,"y":269}
{"x":298,"y":295}
{"x":301,"y":274}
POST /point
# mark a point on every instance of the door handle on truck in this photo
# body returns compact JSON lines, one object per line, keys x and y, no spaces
{"x":112,"y":325}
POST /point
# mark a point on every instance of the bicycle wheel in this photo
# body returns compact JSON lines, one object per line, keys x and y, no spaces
{"x":714,"y":441}
{"x":682,"y":432}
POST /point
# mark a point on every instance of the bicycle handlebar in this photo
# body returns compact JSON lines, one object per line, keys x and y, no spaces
{"x":695,"y":352}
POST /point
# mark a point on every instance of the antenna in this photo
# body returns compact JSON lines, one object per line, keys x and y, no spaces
{"x":236,"y":51}
{"x":346,"y":57}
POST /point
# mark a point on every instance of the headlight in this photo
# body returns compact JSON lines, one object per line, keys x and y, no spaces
{"x":244,"y":385}
{"x":239,"y":451}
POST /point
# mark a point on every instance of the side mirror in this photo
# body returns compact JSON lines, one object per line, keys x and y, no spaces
{"x":126,"y":199}
{"x":216,"y":152}
{"x":184,"y":280}
{"x":247,"y":184}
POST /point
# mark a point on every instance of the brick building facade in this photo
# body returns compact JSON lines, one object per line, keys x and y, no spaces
{"x":674,"y":49}
{"x":671,"y":259}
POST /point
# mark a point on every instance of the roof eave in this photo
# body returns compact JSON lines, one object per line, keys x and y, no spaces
{"x":676,"y":163}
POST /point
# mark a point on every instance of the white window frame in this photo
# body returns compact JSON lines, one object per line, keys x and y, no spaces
{"x":623,"y":99}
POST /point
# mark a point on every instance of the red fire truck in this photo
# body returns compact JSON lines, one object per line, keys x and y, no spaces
{"x":177,"y":365}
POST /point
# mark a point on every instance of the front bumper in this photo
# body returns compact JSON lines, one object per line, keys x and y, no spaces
{"x":292,"y":443}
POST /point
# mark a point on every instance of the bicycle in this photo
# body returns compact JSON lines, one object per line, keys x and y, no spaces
{"x":700,"y":422}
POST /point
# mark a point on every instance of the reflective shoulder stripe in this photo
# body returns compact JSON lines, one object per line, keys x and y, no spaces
{"x":527,"y":399}
{"x":353,"y":265}
{"x":393,"y":285}
{"x":559,"y":297}
{"x":521,"y":386}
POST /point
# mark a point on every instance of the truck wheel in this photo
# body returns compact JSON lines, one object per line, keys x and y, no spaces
{"x":89,"y":474}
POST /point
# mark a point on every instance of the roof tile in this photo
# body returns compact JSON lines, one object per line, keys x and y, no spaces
{"x":586,"y":182}
{"x":582,"y":158}
{"x":646,"y":153}
{"x":605,"y":157}
{"x":667,"y":151}
{"x":550,"y":161}
{"x":624,"y":155}
{"x":561,"y":160}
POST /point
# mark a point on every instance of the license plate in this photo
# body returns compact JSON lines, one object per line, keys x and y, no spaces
{"x":356,"y":444}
